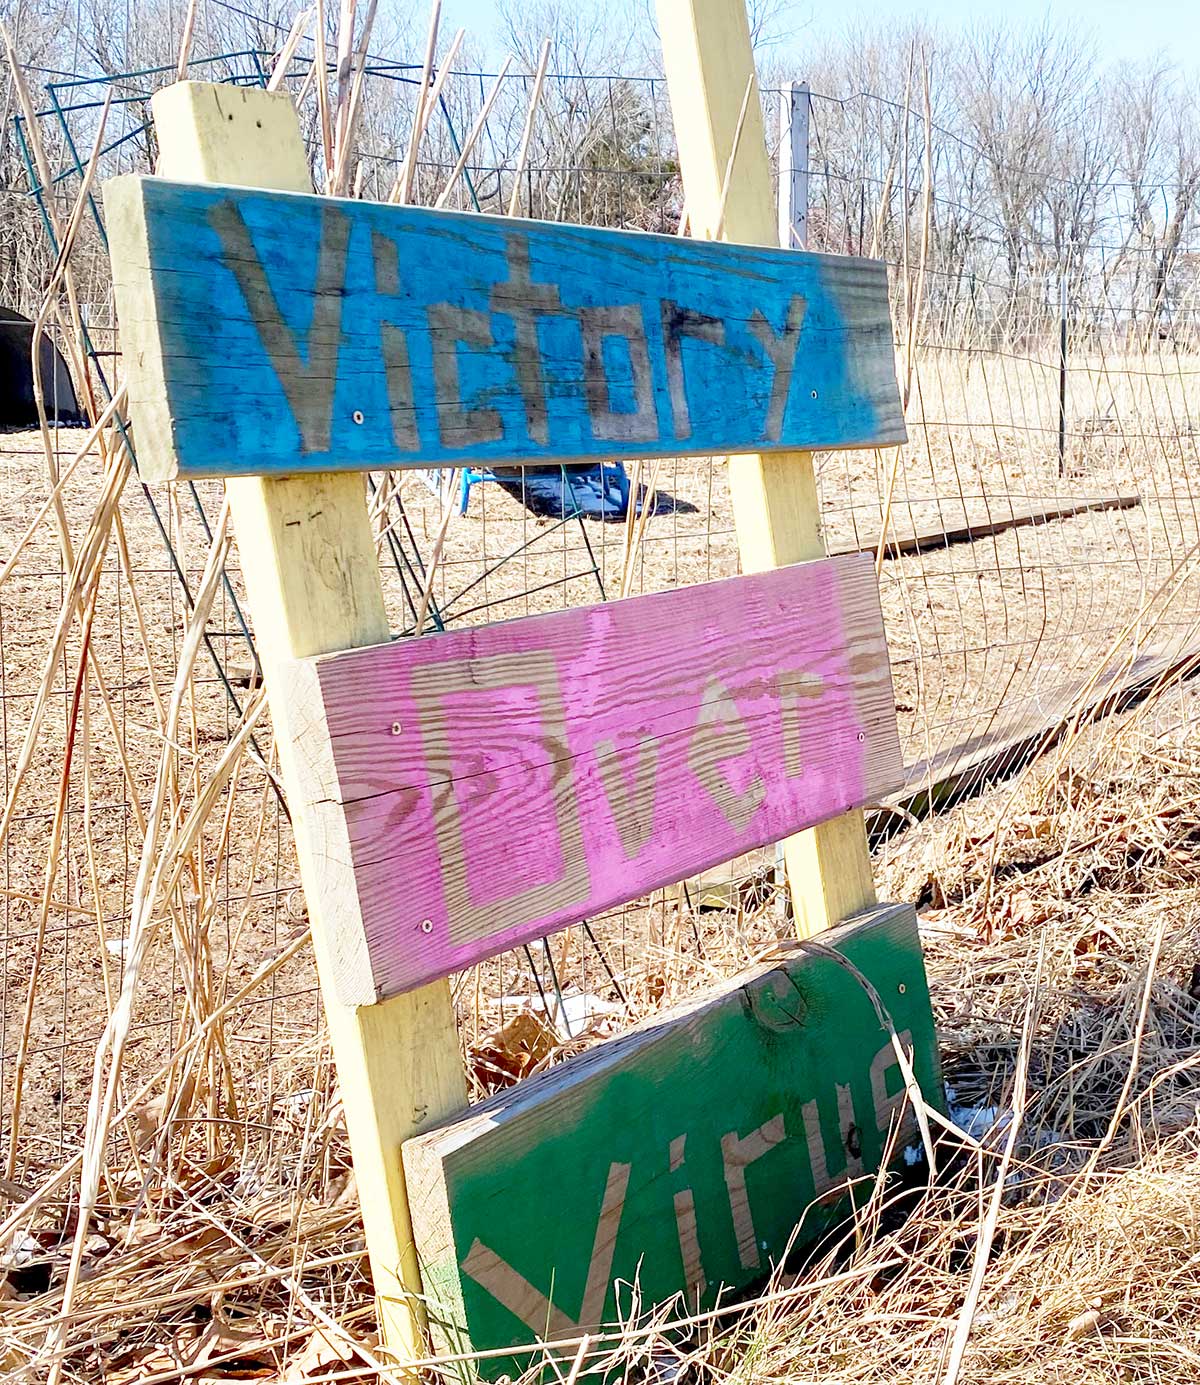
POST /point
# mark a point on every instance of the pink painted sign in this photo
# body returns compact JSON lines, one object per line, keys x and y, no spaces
{"x":486,"y":786}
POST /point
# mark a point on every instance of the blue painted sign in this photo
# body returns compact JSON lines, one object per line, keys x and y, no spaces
{"x":273,"y":332}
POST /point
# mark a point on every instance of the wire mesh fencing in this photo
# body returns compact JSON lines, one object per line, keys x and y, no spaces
{"x":1035,"y":542}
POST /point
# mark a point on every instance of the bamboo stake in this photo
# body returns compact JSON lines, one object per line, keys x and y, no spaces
{"x":403,"y":189}
{"x":321,"y":66}
{"x":288,"y":51}
{"x":435,"y":92}
{"x":348,"y":130}
{"x":468,"y":145}
{"x":185,"y":43}
{"x":343,"y":73}
{"x":527,"y":132}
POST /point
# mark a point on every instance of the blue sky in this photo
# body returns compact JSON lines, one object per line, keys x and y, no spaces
{"x":1133,"y":29}
{"x":1128,"y":29}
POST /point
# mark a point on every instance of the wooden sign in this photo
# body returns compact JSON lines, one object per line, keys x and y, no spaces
{"x":274,"y":332}
{"x":485,"y":786}
{"x":679,"y":1157}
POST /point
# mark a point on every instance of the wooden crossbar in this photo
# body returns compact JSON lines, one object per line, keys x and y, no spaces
{"x":272,"y":333}
{"x":528,"y":774}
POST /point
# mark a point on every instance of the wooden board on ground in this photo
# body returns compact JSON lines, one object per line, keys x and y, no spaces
{"x":679,"y":1157}
{"x":955,"y":522}
{"x":968,"y":767}
{"x":268,"y":332}
{"x":522,"y":776}
{"x":745,"y":883}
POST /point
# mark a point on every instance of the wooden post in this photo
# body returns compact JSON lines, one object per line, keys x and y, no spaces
{"x":311,"y":575}
{"x":793,"y":166}
{"x":708,"y":62}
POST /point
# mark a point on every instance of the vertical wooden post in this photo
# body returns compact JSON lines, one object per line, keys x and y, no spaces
{"x":708,"y":61}
{"x":793,"y":166}
{"x":311,"y":575}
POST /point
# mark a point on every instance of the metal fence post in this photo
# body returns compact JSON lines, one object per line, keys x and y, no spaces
{"x":793,"y":166}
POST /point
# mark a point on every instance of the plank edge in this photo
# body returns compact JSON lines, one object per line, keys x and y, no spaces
{"x":299,"y":683}
{"x":138,"y":332}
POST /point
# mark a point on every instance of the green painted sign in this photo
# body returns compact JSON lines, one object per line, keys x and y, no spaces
{"x":679,"y":1158}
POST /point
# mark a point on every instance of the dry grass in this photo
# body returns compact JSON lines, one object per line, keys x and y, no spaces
{"x":1076,"y":978}
{"x":1094,"y":1266}
{"x":226,"y":1239}
{"x":177,"y":1200}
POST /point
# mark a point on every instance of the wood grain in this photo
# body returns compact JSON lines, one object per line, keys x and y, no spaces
{"x":519,"y":777}
{"x":681,"y":1155}
{"x":278,"y":333}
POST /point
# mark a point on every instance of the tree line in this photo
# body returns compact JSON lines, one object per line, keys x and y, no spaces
{"x":1001,"y":171}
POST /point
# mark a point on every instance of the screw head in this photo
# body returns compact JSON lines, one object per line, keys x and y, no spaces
{"x":902,"y":988}
{"x":426,"y":925}
{"x":396,"y":728}
{"x":357,"y":415}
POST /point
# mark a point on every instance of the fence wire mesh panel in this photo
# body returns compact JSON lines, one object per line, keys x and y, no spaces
{"x":1035,"y":541}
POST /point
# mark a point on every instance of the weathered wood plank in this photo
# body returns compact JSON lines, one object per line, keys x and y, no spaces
{"x":680,"y":1156}
{"x":521,"y":776}
{"x":954,"y":522}
{"x":1035,"y":725}
{"x":279,"y":333}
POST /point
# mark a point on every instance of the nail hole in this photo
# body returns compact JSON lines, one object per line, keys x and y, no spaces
{"x":426,"y":925}
{"x":357,"y":415}
{"x":902,"y":988}
{"x":258,"y":124}
{"x":396,"y":728}
{"x":814,"y":394}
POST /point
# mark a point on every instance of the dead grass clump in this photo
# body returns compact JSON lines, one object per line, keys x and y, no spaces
{"x":1092,"y":1278}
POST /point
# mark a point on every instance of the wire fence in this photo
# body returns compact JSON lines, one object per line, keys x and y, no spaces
{"x":1035,"y":540}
